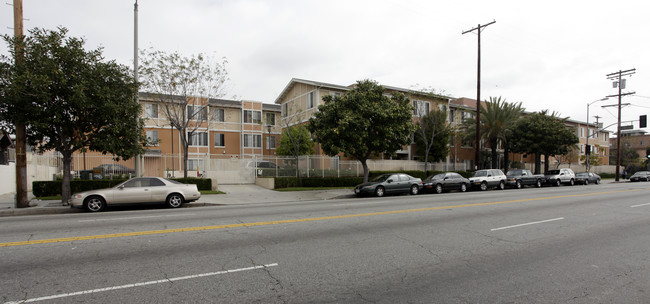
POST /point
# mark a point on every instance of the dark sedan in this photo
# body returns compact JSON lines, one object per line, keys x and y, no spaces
{"x":445,"y":182}
{"x":640,"y":176}
{"x":586,"y":178}
{"x":390,"y":184}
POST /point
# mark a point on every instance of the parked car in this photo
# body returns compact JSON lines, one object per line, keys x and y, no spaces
{"x":262,"y":164}
{"x":560,"y":176}
{"x":108,"y":170}
{"x":640,"y":176}
{"x":518,"y":178}
{"x":488,"y":178}
{"x":444,"y":182}
{"x":390,"y":184}
{"x":586,"y":178}
{"x":138,"y":190}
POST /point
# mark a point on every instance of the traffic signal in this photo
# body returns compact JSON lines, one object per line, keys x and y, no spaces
{"x":643,"y":121}
{"x":588,"y":150}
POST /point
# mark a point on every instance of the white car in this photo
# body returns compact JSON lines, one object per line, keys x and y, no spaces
{"x":138,"y":190}
{"x":488,"y":178}
{"x":560,"y":176}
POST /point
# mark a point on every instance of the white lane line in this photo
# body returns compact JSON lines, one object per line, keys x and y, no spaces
{"x":85,"y":292}
{"x":133,"y":217}
{"x":639,"y":205}
{"x":526,"y":224}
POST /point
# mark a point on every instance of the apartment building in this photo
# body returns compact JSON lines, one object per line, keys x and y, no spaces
{"x":300,"y":99}
{"x":222,"y":129}
{"x":636,"y":140}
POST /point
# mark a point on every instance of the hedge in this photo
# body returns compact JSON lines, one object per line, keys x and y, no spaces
{"x":53,"y":188}
{"x":286,"y":182}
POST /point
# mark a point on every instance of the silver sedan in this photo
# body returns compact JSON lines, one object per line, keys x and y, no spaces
{"x":138,"y":190}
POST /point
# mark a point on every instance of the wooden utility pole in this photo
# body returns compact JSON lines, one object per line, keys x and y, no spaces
{"x":618,"y":75}
{"x":21,"y":133}
{"x":477,"y":153}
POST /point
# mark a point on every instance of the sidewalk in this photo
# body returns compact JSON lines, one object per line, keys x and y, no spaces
{"x":235,"y":195}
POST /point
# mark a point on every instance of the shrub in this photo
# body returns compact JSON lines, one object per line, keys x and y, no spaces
{"x":286,"y":182}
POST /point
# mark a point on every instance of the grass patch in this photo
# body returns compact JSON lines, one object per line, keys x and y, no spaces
{"x":311,"y":188}
{"x":211,"y":192}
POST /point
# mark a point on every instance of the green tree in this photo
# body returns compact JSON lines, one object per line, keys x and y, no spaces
{"x":432,"y":137}
{"x":295,"y":141}
{"x":71,"y":99}
{"x":178,"y":84}
{"x":363,"y":123}
{"x":498,"y":117}
{"x":542,"y":134}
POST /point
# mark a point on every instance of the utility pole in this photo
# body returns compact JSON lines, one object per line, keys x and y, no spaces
{"x":21,"y":131}
{"x":618,"y":75}
{"x":477,"y":153}
{"x":138,"y":166}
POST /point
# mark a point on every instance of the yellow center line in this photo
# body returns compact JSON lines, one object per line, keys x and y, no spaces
{"x":311,"y":219}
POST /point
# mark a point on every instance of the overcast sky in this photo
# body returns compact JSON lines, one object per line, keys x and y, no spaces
{"x":546,"y":54}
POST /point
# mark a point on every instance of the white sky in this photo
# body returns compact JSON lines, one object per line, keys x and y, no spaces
{"x":547,"y":54}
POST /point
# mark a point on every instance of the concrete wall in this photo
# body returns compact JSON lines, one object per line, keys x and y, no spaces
{"x":8,"y":173}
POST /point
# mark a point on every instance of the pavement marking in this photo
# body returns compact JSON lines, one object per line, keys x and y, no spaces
{"x":526,"y":224}
{"x":639,"y":205}
{"x":133,"y":217}
{"x":85,"y":292}
{"x":302,"y":220}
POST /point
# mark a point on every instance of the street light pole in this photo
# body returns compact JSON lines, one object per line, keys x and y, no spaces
{"x":588,"y":152}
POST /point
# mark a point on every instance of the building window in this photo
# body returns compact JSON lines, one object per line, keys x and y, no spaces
{"x":310,"y":100}
{"x":442,"y":107}
{"x":582,"y":148}
{"x":465,"y":115}
{"x":252,"y":141}
{"x":251,"y":116}
{"x":193,"y":164}
{"x":285,"y":109}
{"x":452,"y":115}
{"x":219,"y":140}
{"x":152,"y":137}
{"x":151,"y":110}
{"x":198,"y":139}
{"x":197,"y":112}
{"x":219,"y":115}
{"x":270,"y":119}
{"x":420,"y":108}
{"x":270,"y":142}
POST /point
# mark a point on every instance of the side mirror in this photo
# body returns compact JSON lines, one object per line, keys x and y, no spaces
{"x":389,"y":181}
{"x":121,"y":187}
{"x":489,"y":175}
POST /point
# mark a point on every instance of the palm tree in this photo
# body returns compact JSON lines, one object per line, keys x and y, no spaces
{"x":497,"y":119}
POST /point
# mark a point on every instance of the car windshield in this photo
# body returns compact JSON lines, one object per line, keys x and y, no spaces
{"x":437,"y":176}
{"x":480,"y":173}
{"x":553,"y":172}
{"x":640,"y":173}
{"x":172,"y":181}
{"x":582,"y":175}
{"x":381,"y":178}
{"x":514,"y":172}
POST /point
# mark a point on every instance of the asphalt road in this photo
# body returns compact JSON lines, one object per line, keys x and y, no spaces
{"x":580,"y":244}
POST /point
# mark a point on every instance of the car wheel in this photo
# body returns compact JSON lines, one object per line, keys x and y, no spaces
{"x":557,"y":183}
{"x":483,"y":186}
{"x":586,"y":182}
{"x":415,"y":189}
{"x":538,"y":184}
{"x":94,"y":204}
{"x":571,"y":182}
{"x":379,"y":192}
{"x":438,"y":188}
{"x":502,"y":185}
{"x":463,"y":187}
{"x":174,"y":200}
{"x":518,"y":184}
{"x":597,"y":181}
